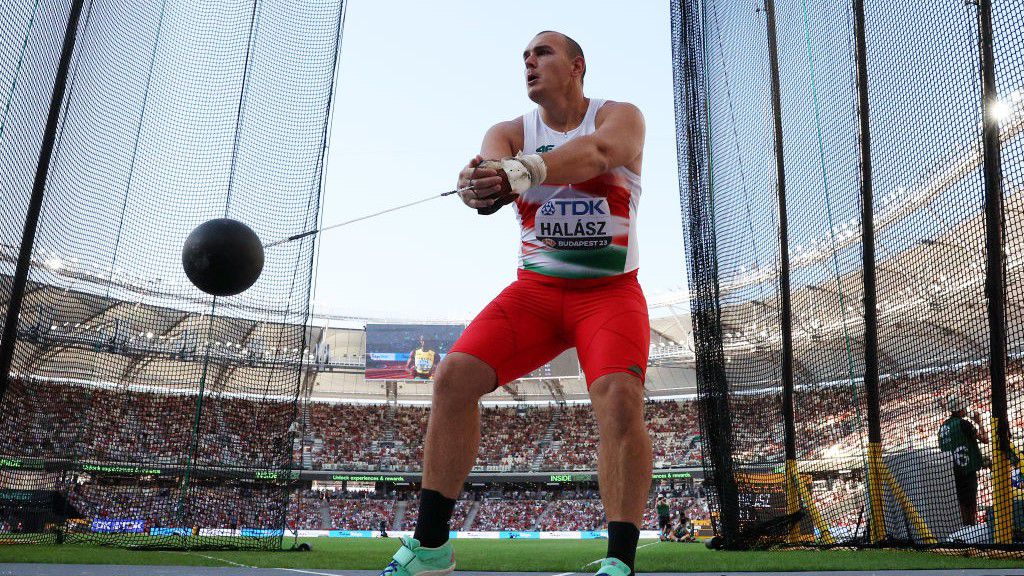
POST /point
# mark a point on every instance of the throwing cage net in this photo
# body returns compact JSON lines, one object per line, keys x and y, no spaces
{"x":853,"y":175}
{"x":139,"y":411}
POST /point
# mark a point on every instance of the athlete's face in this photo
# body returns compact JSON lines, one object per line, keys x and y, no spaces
{"x":548,"y":66}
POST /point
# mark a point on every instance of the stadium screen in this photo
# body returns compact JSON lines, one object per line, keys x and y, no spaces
{"x":395,"y":351}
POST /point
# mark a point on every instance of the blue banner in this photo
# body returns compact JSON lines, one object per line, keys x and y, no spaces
{"x":107,"y":525}
{"x":592,"y":534}
{"x":261,"y":532}
{"x":396,"y":356}
{"x":170,"y":531}
{"x":514,"y":534}
{"x":350,"y":533}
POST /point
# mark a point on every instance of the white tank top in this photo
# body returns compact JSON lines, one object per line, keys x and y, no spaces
{"x":584,"y":230}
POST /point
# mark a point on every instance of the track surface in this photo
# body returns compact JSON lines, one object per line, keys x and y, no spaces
{"x":109,"y":570}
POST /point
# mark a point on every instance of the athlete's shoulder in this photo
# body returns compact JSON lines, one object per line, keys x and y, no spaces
{"x":610,"y":107}
{"x":507,"y":134}
{"x":509,"y":127}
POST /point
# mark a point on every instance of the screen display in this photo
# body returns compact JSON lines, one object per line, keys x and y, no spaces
{"x":407,"y":351}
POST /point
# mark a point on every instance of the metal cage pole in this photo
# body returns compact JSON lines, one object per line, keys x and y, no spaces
{"x":995,"y":281}
{"x":715,"y":418}
{"x":792,"y":481}
{"x":875,"y":463}
{"x":35,"y":204}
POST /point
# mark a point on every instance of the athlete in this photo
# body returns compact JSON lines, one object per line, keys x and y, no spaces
{"x":571,"y":170}
{"x":422,"y":361}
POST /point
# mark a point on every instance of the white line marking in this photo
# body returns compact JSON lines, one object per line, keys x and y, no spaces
{"x":219,"y":560}
{"x":286,"y":569}
{"x":563,"y":574}
{"x":599,"y":559}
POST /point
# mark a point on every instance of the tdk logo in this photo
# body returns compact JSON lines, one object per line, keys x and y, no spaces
{"x":577,"y":207}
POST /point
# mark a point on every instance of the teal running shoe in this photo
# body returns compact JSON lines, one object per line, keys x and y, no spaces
{"x":613,"y":567}
{"x":415,"y":560}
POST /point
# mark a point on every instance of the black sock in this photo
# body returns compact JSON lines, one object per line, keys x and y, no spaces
{"x":622,"y":538}
{"x":435,"y":515}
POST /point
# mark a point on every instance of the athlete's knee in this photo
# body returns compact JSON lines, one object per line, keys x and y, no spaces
{"x":618,"y":401}
{"x":618,"y":389}
{"x":462,"y":377}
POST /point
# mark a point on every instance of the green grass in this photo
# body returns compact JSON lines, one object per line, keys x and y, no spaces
{"x":511,"y":555}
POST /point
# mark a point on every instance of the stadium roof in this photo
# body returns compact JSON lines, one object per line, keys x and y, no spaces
{"x":932,"y":304}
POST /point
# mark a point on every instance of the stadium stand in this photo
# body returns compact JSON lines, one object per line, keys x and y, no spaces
{"x":208,"y":506}
{"x":309,"y":509}
{"x":360,"y":514}
{"x":459,"y":515}
{"x":357,"y":437}
{"x":509,"y":514}
{"x":383,"y":437}
{"x":573,"y":514}
{"x":388,"y":436}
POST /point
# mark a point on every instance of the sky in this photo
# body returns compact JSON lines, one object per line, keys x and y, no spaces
{"x":418,"y":84}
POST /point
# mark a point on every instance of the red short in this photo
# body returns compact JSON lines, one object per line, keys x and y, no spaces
{"x":538,"y":317}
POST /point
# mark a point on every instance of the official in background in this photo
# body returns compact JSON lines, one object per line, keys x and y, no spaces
{"x":960,"y":437}
{"x":664,"y":517}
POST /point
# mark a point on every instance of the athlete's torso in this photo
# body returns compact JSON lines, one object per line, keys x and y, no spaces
{"x":958,"y":436}
{"x":423,"y":360}
{"x":584,"y":230}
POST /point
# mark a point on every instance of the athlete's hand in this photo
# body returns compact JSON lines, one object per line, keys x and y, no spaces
{"x":486,"y":182}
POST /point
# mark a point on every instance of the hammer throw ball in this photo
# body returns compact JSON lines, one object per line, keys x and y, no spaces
{"x":222,"y":257}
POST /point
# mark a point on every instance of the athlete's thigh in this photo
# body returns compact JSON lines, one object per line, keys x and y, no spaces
{"x":611,"y":330}
{"x":517,"y":332}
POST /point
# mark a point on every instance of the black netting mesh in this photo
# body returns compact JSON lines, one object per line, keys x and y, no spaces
{"x":925,"y":103}
{"x":141,"y":411}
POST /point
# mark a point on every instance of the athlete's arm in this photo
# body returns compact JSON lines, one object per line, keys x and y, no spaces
{"x":412,"y":357}
{"x":618,"y":141}
{"x":499,"y":142}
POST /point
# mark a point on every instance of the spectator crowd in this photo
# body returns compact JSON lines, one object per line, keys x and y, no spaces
{"x":120,"y":424}
{"x":128,"y":425}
